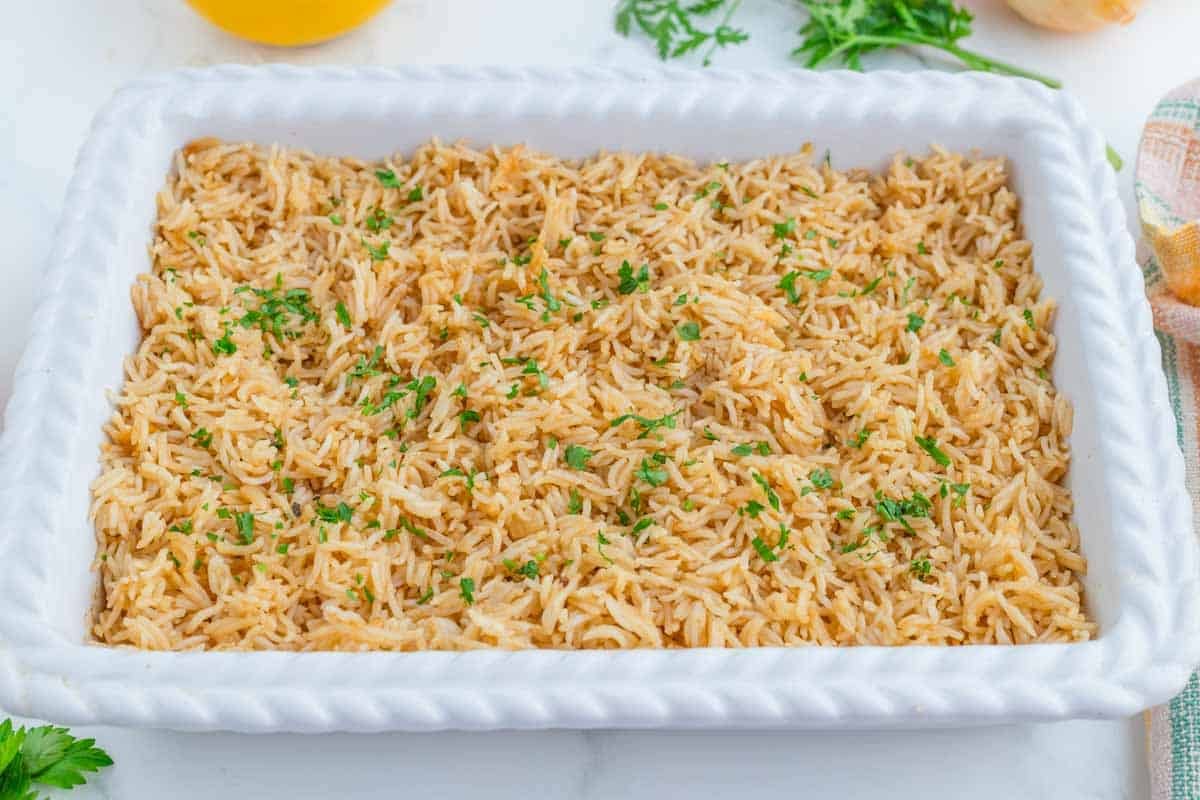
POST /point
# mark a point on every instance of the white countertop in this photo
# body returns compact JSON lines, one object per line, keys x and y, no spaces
{"x":59,"y":60}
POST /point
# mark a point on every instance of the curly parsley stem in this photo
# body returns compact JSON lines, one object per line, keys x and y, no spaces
{"x":976,"y":61}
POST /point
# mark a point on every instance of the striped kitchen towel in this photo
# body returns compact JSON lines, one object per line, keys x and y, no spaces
{"x":1173,"y":730}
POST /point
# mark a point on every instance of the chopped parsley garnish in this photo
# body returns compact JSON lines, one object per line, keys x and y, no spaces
{"x":681,"y":300}
{"x":648,"y":473}
{"x":872,"y":286}
{"x":602,"y":540}
{"x":481,"y":319}
{"x":784,"y":229}
{"x":343,"y":314}
{"x":224,"y":346}
{"x":460,"y":390}
{"x":908,"y":284}
{"x":1028,"y":315}
{"x":922,"y":249}
{"x":640,"y":525}
{"x":513,"y":391}
{"x":203,"y":437}
{"x":708,"y":434}
{"x":181,"y":399}
{"x":689,"y":331}
{"x":845,"y":513}
{"x":712,"y":186}
{"x":630,"y":282}
{"x":366,"y":367}
{"x":245,"y":527}
{"x":897,"y":510}
{"x":648,"y":425}
{"x":184,"y":527}
{"x":920,"y":567}
{"x":821,"y":478}
{"x":468,"y":477}
{"x":577,"y":456}
{"x":996,"y":337}
{"x":336,"y":219}
{"x":532,"y":368}
{"x":422,"y":387}
{"x":788,"y":284}
{"x":416,"y":194}
{"x":596,"y":236}
{"x":426,"y":597}
{"x":810,"y":234}
{"x":466,"y":417}
{"x":529,"y":569}
{"x":915,"y":322}
{"x":660,"y":206}
{"x":929,"y":445}
{"x":378,"y":220}
{"x":387,"y":178}
{"x":552,"y":302}
{"x":574,"y":502}
{"x":378,"y":253}
{"x":859,"y":439}
{"x":765,"y":551}
{"x":466,"y":590}
{"x":817,"y":275}
{"x":752,"y":508}
{"x":748,"y":449}
{"x":945,"y":358}
{"x":197,"y":237}
{"x":772,"y":497}
{"x":339,"y":513}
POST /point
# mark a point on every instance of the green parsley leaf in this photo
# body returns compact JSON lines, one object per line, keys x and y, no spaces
{"x":529,"y":569}
{"x":915,"y":322}
{"x":631,"y":283}
{"x":689,"y":331}
{"x":872,"y":286}
{"x":821,"y":478}
{"x":847,"y":29}
{"x":772,"y":497}
{"x":652,"y":476}
{"x":577,"y":456}
{"x":387,"y":178}
{"x":929,"y":445}
{"x":785,"y":228}
{"x":788,"y":284}
{"x":920,"y":567}
{"x":47,"y":755}
{"x":648,"y":425}
{"x":660,"y":206}
{"x":574,"y":502}
{"x":1028,"y":315}
{"x":416,"y":194}
{"x":378,"y":220}
{"x":602,"y":540}
{"x":845,"y":513}
{"x":513,"y":391}
{"x":202,"y":437}
{"x":859,"y":439}
{"x":378,"y":253}
{"x":466,"y":590}
{"x":945,"y":358}
{"x":245,"y":527}
{"x":343,"y":314}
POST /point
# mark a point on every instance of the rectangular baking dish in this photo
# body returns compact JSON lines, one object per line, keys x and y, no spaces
{"x":1127,"y":472}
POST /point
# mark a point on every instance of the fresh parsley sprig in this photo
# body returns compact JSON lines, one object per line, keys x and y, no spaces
{"x":676,"y":27}
{"x":44,"y":755}
{"x":845,"y":30}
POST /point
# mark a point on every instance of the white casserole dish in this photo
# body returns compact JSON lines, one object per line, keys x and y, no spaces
{"x":1127,"y":472}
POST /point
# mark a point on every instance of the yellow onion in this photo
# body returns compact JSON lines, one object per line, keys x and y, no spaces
{"x":1076,"y":15}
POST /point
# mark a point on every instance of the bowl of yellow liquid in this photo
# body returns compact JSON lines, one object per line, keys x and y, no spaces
{"x":287,"y":22}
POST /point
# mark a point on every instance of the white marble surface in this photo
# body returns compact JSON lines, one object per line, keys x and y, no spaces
{"x":60,"y":59}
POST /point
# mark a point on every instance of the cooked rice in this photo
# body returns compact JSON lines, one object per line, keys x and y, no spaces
{"x":928,"y":323}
